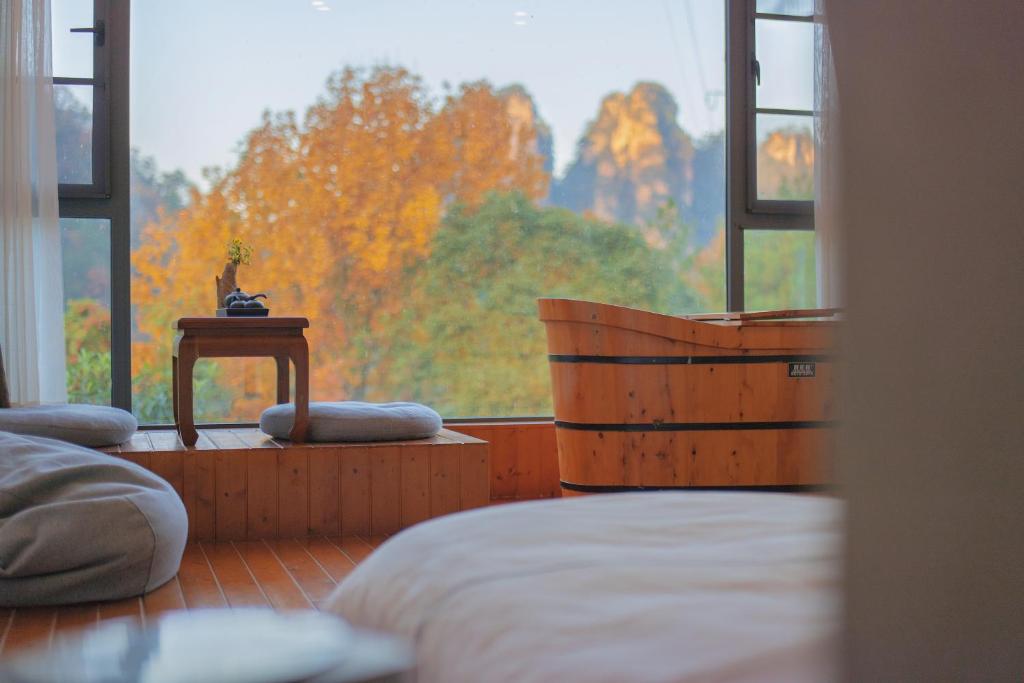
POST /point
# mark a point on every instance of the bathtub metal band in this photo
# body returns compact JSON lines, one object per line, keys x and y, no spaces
{"x":691,"y":426}
{"x":689,"y":360}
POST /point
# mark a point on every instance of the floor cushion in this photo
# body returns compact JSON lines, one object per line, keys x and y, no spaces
{"x":355,"y":421}
{"x":84,"y":425}
{"x":77,"y":525}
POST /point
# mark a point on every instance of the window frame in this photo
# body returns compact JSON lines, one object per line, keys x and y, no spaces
{"x":108,"y":197}
{"x":744,"y":211}
{"x":99,"y":188}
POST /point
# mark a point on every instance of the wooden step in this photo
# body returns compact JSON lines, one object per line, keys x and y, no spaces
{"x":240,"y":484}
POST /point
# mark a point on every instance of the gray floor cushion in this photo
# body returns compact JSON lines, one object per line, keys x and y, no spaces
{"x":84,"y":425}
{"x":77,"y":525}
{"x":355,"y":421}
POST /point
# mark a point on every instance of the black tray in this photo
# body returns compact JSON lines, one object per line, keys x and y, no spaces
{"x":243,"y":312}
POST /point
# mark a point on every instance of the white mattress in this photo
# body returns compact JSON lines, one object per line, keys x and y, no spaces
{"x":695,"y":586}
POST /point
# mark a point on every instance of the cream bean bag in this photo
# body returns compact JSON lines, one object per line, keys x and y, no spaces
{"x":355,"y":421}
{"x":77,"y":525}
{"x":84,"y":425}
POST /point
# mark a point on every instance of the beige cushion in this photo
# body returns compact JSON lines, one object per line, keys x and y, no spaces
{"x":84,"y":425}
{"x":344,"y":421}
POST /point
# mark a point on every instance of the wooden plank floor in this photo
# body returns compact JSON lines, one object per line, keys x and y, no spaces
{"x":284,"y":574}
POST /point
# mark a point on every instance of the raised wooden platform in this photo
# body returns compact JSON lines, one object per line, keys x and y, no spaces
{"x":240,"y":484}
{"x":284,"y":574}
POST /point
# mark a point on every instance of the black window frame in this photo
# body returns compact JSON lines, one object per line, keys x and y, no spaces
{"x":99,"y":188}
{"x":108,"y":196}
{"x":744,"y":210}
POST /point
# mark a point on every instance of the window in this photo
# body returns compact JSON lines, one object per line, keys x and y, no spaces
{"x":413,"y":179}
{"x":90,"y":65}
{"x":80,"y":85}
{"x":771,"y":154}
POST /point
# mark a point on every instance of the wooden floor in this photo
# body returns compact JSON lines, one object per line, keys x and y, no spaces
{"x":285,"y":574}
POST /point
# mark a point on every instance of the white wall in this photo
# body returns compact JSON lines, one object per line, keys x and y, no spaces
{"x":932,"y":452}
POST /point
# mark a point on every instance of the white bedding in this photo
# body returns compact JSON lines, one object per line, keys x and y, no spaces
{"x":694,"y":586}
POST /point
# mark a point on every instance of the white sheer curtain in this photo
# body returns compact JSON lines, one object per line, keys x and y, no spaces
{"x":31,"y":286}
{"x":828,"y":239}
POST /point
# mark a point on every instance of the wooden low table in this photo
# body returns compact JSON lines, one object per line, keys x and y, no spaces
{"x":278,"y":338}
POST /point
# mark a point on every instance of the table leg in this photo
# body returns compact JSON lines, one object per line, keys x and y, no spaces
{"x":300,"y":357}
{"x":186,"y":424}
{"x":282,"y":378}
{"x":174,"y":389}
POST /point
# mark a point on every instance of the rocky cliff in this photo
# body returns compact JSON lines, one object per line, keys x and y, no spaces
{"x":631,"y":159}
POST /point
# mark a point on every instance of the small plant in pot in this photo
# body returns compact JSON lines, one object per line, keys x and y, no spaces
{"x":239,"y":254}
{"x":231,"y":300}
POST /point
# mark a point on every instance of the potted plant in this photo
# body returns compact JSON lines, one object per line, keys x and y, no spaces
{"x":239,"y":253}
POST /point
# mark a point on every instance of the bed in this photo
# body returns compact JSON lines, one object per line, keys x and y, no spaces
{"x":652,"y":587}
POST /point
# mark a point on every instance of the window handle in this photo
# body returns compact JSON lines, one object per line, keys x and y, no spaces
{"x":756,"y":67}
{"x":99,"y":32}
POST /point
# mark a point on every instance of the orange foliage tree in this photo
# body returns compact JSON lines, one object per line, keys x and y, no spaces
{"x":339,"y":208}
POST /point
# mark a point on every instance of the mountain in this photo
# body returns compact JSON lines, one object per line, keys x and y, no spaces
{"x":631,"y":159}
{"x":634,"y":157}
{"x":785,"y":164}
{"x":522,"y":114}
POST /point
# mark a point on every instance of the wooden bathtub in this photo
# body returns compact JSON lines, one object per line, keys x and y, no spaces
{"x":644,"y":400}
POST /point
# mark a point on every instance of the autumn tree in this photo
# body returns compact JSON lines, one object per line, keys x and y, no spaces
{"x":339,"y":208}
{"x":485,"y":142}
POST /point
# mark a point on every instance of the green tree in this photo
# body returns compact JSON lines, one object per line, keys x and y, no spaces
{"x":469,"y":341}
{"x":779,"y":270}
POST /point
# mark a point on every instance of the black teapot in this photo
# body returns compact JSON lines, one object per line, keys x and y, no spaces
{"x":239,"y":299}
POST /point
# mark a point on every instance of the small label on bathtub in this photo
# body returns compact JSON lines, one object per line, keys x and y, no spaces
{"x":801,"y":369}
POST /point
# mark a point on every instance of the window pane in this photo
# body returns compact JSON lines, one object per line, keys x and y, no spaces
{"x":72,"y":52}
{"x":73,"y":119}
{"x":778,"y":269}
{"x":800,"y":8}
{"x":223,"y":389}
{"x":420,"y":178}
{"x":85,"y":244}
{"x":785,"y":51}
{"x":785,"y":157}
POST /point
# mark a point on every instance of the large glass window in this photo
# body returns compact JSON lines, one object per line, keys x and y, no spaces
{"x":412,"y":176}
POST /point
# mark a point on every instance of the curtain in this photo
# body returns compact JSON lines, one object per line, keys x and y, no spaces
{"x":828,"y":240}
{"x":31,"y":285}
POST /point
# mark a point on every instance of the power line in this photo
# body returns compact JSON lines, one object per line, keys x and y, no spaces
{"x":679,"y":55}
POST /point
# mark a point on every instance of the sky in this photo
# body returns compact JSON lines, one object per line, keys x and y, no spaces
{"x":203,"y":71}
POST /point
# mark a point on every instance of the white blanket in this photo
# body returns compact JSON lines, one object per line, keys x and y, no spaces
{"x":694,"y":586}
